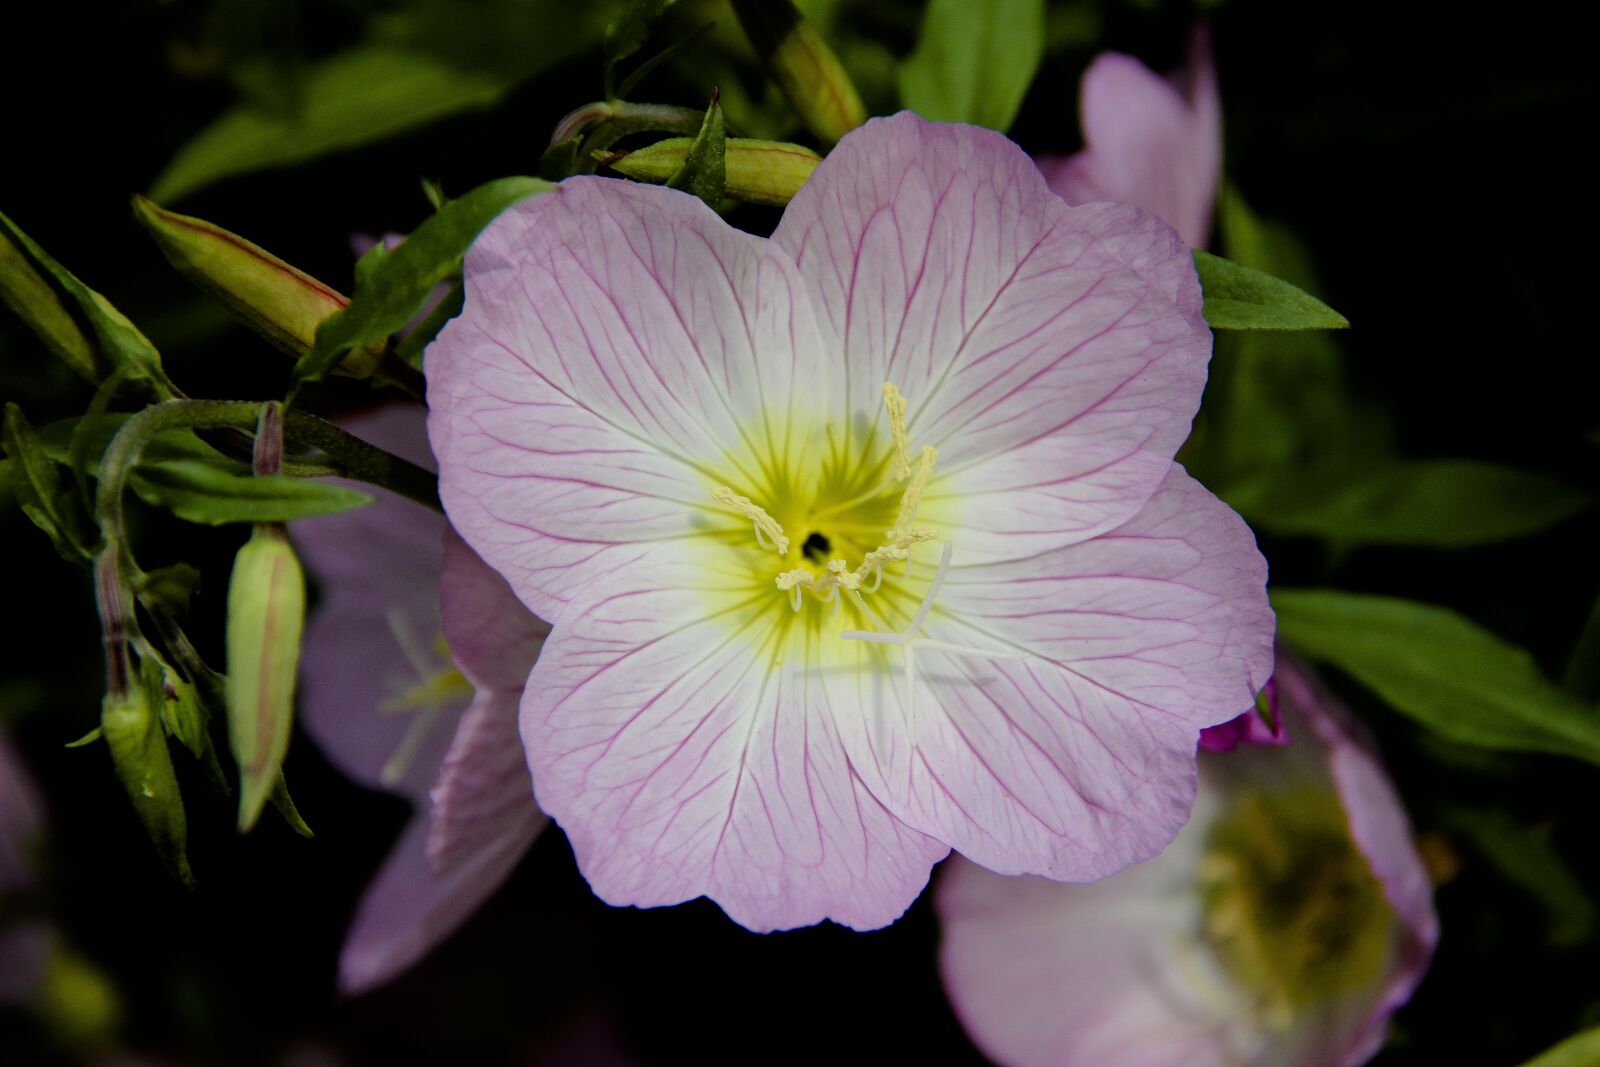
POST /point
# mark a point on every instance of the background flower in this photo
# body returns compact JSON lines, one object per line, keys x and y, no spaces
{"x":1284,"y":926}
{"x":398,"y":706}
{"x":1148,"y":140}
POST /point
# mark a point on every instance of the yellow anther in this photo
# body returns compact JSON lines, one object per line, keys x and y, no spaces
{"x":881,"y":555}
{"x":840,"y":572}
{"x":768,"y":533}
{"x":896,"y":403}
{"x":797,"y":577}
{"x":911,"y":499}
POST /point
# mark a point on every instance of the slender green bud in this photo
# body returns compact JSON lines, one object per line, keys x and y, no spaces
{"x":130,"y":722}
{"x":760,"y":172}
{"x":77,"y":324}
{"x":26,"y":293}
{"x":803,"y":67}
{"x":266,"y":613}
{"x":281,"y":303}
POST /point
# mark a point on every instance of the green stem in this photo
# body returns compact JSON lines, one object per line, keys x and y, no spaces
{"x":362,"y":461}
{"x":351,"y":456}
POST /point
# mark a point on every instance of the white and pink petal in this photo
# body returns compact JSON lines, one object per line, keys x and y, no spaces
{"x":622,"y":351}
{"x":1053,"y":351}
{"x":682,"y":761}
{"x":1079,"y":759}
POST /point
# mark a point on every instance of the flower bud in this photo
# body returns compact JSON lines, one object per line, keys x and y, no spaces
{"x":281,"y":303}
{"x":803,"y":67}
{"x":761,"y":172}
{"x":266,"y":612}
{"x":130,"y":723}
{"x":25,"y":291}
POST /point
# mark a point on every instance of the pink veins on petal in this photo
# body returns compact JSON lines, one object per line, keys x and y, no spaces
{"x":860,"y":542}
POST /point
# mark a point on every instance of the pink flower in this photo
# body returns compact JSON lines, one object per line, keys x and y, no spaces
{"x":1148,"y":141}
{"x":24,"y":943}
{"x":397,"y":707}
{"x":860,"y":543}
{"x":1286,"y":923}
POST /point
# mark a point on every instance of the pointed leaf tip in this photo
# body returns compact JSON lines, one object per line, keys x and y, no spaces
{"x":1243,"y":298}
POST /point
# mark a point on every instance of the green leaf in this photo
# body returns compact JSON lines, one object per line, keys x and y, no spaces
{"x":422,"y":334}
{"x":355,"y":97}
{"x":1447,"y":673}
{"x":213,"y":494}
{"x":1579,"y":1050}
{"x":974,"y":60}
{"x":43,"y":490}
{"x":426,"y":60}
{"x":172,"y":587}
{"x":392,"y":286}
{"x":704,"y":170}
{"x":560,"y":160}
{"x":284,"y":805}
{"x":116,"y":342}
{"x":1581,"y":677}
{"x":132,"y":727}
{"x":1529,"y":861}
{"x":1276,"y":402}
{"x":1243,"y":298}
{"x":627,"y":34}
{"x":1441,"y":503}
{"x":86,"y":740}
{"x":189,"y":720}
{"x":181,"y":473}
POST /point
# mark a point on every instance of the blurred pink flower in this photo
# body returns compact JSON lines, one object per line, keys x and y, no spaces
{"x":687,"y":447}
{"x":398,"y":706}
{"x":1149,"y":141}
{"x":24,"y":942}
{"x":1284,"y":926}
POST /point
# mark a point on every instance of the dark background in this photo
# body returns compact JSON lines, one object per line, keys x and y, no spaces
{"x":1426,"y":154}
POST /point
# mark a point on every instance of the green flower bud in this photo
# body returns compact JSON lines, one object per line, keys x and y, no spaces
{"x":281,"y":303}
{"x":803,"y":67}
{"x":266,"y":613}
{"x":25,"y":292}
{"x":130,"y":723}
{"x":761,"y":172}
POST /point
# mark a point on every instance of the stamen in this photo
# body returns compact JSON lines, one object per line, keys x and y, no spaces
{"x":399,"y":761}
{"x":910,"y":639}
{"x":839,"y":570}
{"x":896,"y":403}
{"x":764,"y":523}
{"x":911,"y":499}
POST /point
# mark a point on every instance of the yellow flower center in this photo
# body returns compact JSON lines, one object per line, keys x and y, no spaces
{"x":1291,"y":908}
{"x":838,"y":547}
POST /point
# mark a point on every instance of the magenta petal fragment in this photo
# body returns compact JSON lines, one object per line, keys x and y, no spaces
{"x":1148,"y":142}
{"x":681,"y":764}
{"x":1079,"y":759}
{"x":620,"y":349}
{"x":410,"y":906}
{"x":1053,"y":351}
